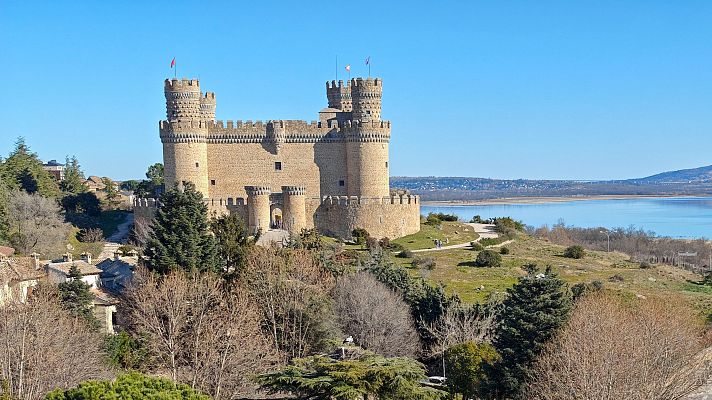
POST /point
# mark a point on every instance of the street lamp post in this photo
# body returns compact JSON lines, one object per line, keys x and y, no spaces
{"x":608,"y":236}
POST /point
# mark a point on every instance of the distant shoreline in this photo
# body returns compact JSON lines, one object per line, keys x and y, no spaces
{"x":548,"y":199}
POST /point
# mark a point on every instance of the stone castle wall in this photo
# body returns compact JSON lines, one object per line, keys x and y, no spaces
{"x":243,"y":167}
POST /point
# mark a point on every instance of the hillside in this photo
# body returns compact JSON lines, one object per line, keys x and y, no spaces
{"x":695,"y":181}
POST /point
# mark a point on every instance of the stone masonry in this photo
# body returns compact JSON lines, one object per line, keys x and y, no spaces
{"x":330,"y":174}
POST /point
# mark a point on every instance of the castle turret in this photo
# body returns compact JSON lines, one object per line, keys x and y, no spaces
{"x":367,"y":141}
{"x":294,"y":203}
{"x":207,"y":106}
{"x":258,"y":208}
{"x":339,"y":96}
{"x":184,"y":135}
{"x":366,"y":98}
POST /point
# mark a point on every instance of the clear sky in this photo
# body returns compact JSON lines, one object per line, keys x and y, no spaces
{"x":505,"y":89}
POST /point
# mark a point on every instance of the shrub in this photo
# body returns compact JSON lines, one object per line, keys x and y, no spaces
{"x":397,"y":247}
{"x":405,"y":253}
{"x":478,"y":220}
{"x":507,"y":225}
{"x":372,"y":243}
{"x":90,"y":235}
{"x":580,"y":289}
{"x":493,"y":241}
{"x":432,"y":220}
{"x":385,"y":243}
{"x":504,"y":250}
{"x":360,"y":235}
{"x":645,"y":265}
{"x":466,"y":367}
{"x":129,"y":386}
{"x":424,"y":262}
{"x":616,"y":278}
{"x":576,"y":252}
{"x":476,"y":246}
{"x":488,"y":258}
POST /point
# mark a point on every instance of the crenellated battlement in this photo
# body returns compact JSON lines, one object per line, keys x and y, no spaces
{"x":370,"y":83}
{"x":363,"y":200}
{"x":294,"y":190}
{"x":181,"y":84}
{"x":258,"y":190}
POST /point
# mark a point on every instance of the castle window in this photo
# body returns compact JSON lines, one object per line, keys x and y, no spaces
{"x":342,"y":183}
{"x":212,"y":182}
{"x":197,"y":165}
{"x":386,"y":164}
{"x":278,"y":166}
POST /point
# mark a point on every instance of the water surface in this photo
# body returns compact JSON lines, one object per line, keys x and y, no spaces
{"x":681,"y":217}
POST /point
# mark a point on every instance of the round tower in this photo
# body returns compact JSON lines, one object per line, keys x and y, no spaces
{"x":207,"y":106}
{"x":367,"y":139}
{"x":258,"y":205}
{"x":184,"y":134}
{"x":339,"y":97}
{"x":294,"y":211}
{"x":366,"y":99}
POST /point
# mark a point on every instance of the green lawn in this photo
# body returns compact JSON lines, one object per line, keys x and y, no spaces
{"x":453,"y":232}
{"x":78,"y":247}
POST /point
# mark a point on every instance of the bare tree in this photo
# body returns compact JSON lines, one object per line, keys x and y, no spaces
{"x":609,"y":350}
{"x":199,"y":332}
{"x":291,"y":290}
{"x":376,"y":316}
{"x":42,"y":348}
{"x":36,"y":224}
{"x":140,"y":232}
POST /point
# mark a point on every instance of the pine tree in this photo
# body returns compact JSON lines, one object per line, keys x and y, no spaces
{"x":23,"y":170}
{"x":75,"y":295}
{"x":73,"y":177}
{"x":232,"y":241}
{"x":536,"y":307}
{"x":181,"y":238}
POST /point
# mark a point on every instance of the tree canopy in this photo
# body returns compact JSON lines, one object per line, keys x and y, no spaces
{"x":23,"y":170}
{"x":132,"y":386}
{"x":181,"y":238}
{"x":536,"y":307}
{"x":324,"y":378}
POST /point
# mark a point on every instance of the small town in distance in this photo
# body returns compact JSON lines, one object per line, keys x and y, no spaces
{"x":464,"y":201}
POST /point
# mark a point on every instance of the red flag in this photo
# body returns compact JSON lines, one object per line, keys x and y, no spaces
{"x":173,"y":62}
{"x":348,"y":67}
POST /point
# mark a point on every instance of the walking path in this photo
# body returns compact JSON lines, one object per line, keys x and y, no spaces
{"x":485,"y":231}
{"x":278,"y":236}
{"x":117,"y":239}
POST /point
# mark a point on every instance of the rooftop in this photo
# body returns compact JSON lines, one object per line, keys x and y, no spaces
{"x":18,"y":269}
{"x":84,"y":267}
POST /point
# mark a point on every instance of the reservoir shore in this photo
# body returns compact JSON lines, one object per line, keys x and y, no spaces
{"x":549,"y":199}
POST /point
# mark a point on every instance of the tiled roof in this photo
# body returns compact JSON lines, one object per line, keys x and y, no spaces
{"x":6,"y":251}
{"x":17,"y":269}
{"x":84,"y":267}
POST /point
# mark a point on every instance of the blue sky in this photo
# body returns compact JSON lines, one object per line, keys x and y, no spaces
{"x":505,"y":89}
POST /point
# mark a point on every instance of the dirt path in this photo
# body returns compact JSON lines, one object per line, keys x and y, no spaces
{"x":117,"y":239}
{"x":485,"y":231}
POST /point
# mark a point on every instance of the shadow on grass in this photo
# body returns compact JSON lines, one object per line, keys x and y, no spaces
{"x":467,"y":264}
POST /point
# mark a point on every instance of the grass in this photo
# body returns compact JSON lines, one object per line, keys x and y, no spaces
{"x":456,"y":272}
{"x":78,"y":247}
{"x":452,"y":232}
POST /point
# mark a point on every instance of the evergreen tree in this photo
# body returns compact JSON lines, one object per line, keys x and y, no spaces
{"x":536,"y":307}
{"x":23,"y":170}
{"x":131,"y":386}
{"x":232,"y":241}
{"x":76,"y":297}
{"x":369,"y":376}
{"x":73,"y":177}
{"x":4,"y":222}
{"x":464,"y":366}
{"x":112,"y":194}
{"x":181,"y":238}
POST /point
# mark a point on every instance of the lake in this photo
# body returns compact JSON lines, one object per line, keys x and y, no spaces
{"x":679,"y":217}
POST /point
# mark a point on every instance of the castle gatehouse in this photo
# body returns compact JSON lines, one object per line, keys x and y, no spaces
{"x":330,"y":174}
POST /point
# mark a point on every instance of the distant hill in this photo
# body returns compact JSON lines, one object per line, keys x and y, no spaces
{"x":695,"y":181}
{"x":692,"y":175}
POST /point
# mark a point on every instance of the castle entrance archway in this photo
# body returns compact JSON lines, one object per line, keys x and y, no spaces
{"x":276,"y":216}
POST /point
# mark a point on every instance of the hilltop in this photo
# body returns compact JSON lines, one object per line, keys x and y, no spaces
{"x":695,"y":181}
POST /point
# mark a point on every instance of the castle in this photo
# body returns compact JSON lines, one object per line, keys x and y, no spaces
{"x":330,"y":174}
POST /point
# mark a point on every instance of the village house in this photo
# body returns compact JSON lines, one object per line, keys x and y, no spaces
{"x":18,"y":275}
{"x":104,"y":306}
{"x":116,"y":272}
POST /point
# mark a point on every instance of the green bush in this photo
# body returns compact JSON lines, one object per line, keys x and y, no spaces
{"x":397,"y":247}
{"x":466,"y":365}
{"x":477,"y":246}
{"x":488,"y":258}
{"x":504,"y":250}
{"x":485,"y":242}
{"x":360,"y":235}
{"x":133,"y":386}
{"x":576,"y":252}
{"x":405,"y":253}
{"x":424,"y":262}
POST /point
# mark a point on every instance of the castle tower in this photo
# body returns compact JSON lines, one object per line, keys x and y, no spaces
{"x":294,"y":211}
{"x":184,"y":135}
{"x":366,"y":98}
{"x":258,"y":208}
{"x":339,"y":97}
{"x":367,"y":139}
{"x":207,"y":106}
